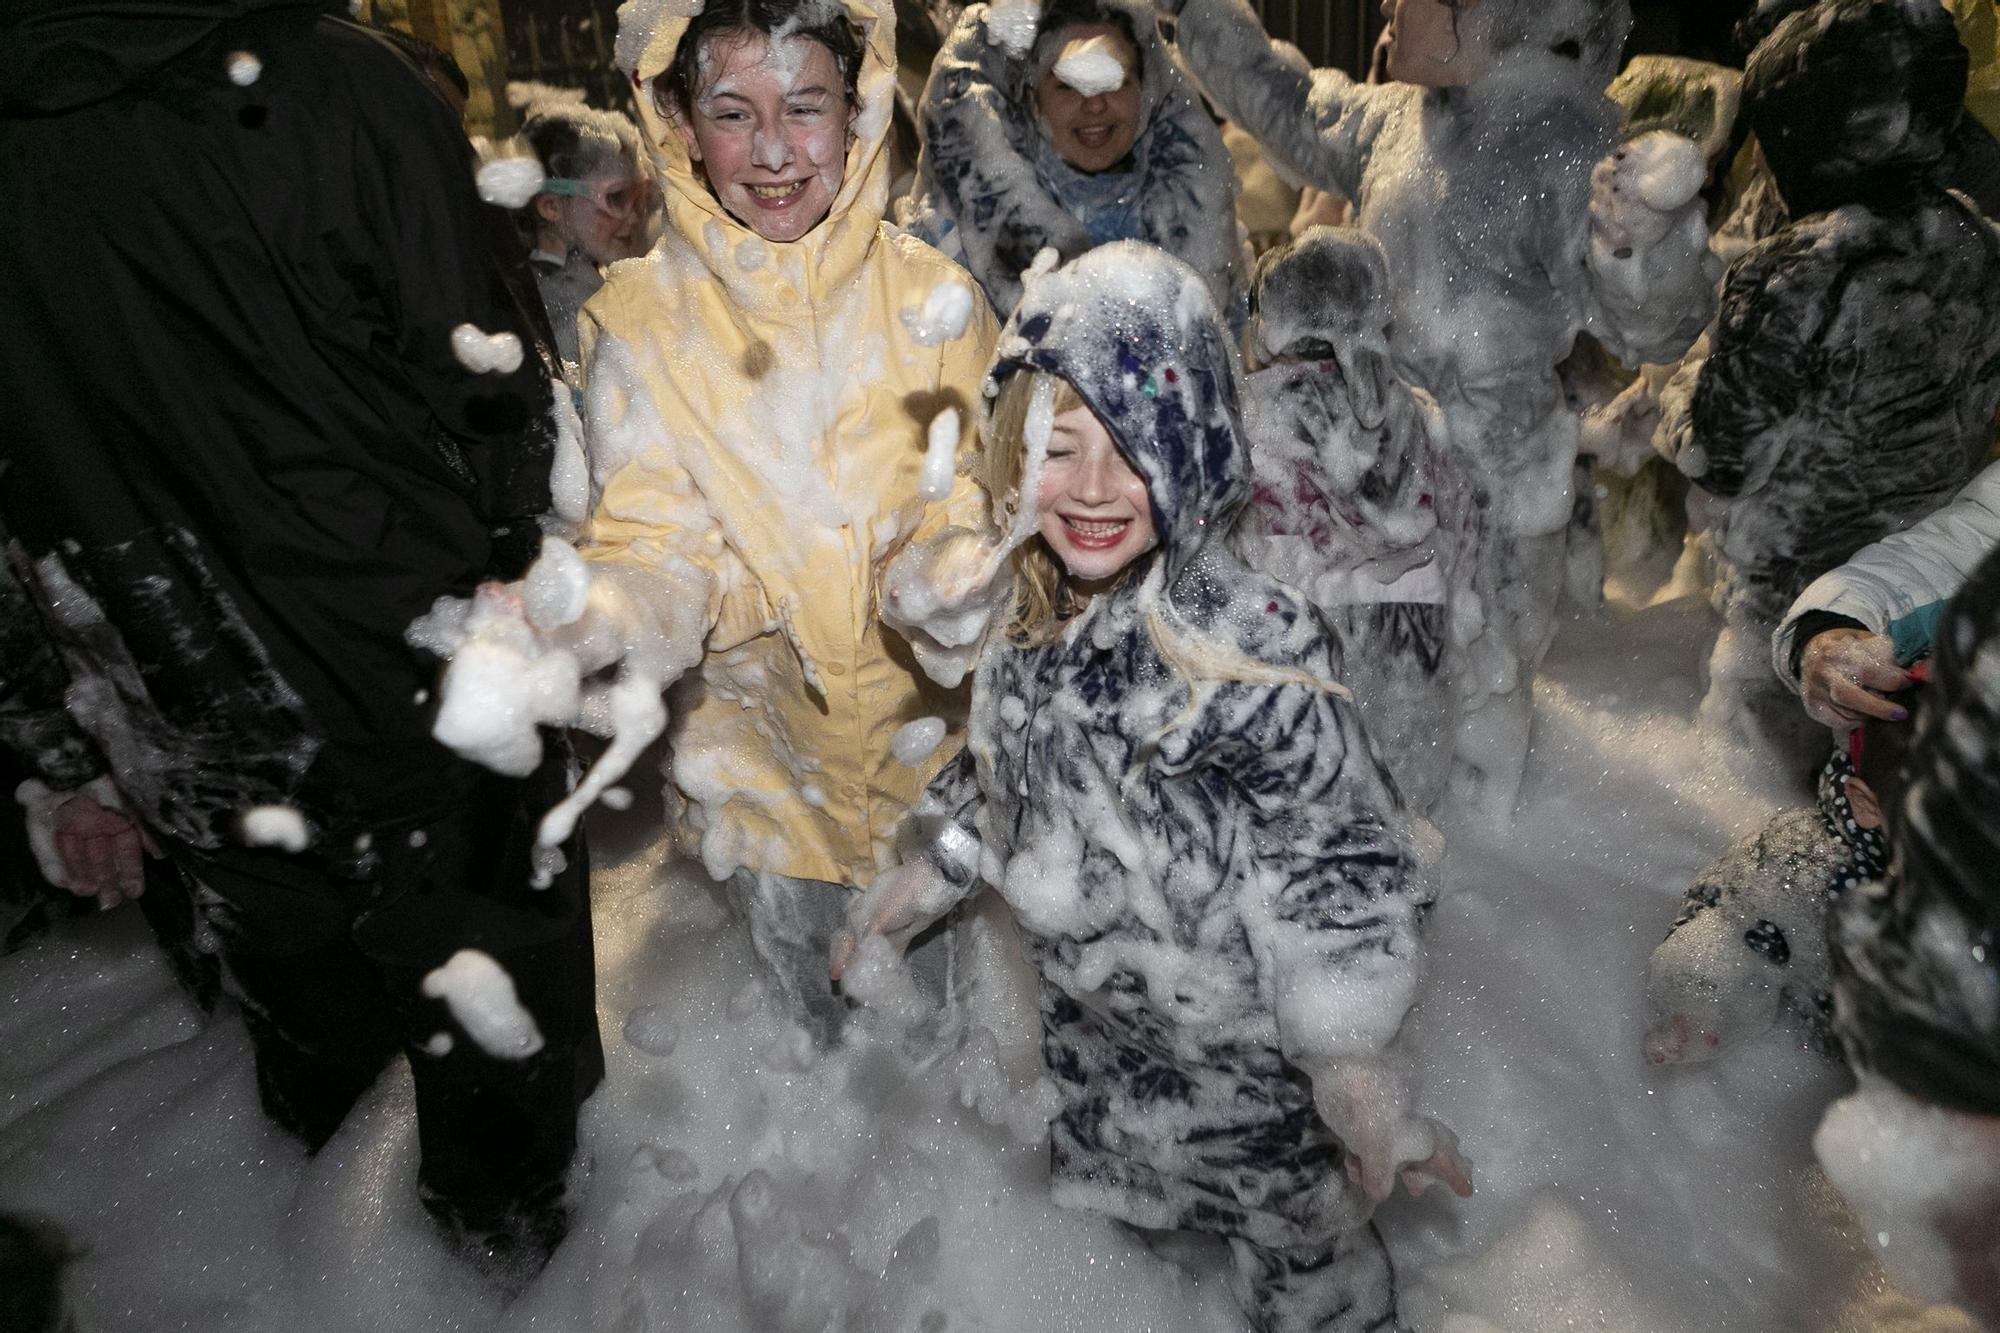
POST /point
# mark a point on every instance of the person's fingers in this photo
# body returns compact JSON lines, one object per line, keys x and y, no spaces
{"x":842,"y":952}
{"x":130,"y":862}
{"x":1452,"y":1172}
{"x":1849,"y":697}
{"x":94,"y":867}
{"x":65,"y":844}
{"x":891,"y":913}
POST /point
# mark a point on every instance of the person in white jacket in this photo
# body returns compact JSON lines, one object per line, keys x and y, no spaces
{"x":1844,"y":642}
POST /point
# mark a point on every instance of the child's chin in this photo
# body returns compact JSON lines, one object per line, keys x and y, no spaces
{"x":1095,"y":567}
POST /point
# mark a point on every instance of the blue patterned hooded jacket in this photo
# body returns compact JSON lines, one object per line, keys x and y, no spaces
{"x":1213,"y":872}
{"x":991,"y":191}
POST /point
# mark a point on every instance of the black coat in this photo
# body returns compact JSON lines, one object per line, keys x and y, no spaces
{"x":241,"y":455}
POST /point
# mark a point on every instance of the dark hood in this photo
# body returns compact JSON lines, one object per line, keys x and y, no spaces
{"x":1136,"y":332}
{"x":1856,"y":101}
{"x":56,"y":55}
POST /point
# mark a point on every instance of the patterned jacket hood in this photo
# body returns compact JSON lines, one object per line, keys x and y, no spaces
{"x":1826,"y":146}
{"x":1135,"y":331}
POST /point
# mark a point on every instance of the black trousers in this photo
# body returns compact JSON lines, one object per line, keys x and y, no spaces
{"x":330,"y":971}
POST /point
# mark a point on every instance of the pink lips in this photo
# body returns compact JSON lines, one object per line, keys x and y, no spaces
{"x":1095,"y":541}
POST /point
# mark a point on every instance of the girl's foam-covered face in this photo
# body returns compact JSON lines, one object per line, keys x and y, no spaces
{"x":770,"y":126}
{"x":1095,"y":514}
{"x":1092,"y":128}
{"x":1426,"y":44}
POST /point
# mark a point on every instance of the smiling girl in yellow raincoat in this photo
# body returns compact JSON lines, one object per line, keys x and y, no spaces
{"x":759,"y":392}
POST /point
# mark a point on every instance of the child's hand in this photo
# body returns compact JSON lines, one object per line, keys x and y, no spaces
{"x":1366,"y":1104}
{"x":1647,"y":232}
{"x":1636,"y":192}
{"x":941,"y":594}
{"x":522,"y":656}
{"x":503,"y":682}
{"x":902,"y":901}
{"x":943,"y":576}
{"x":86,"y":841}
{"x":1843,"y":674}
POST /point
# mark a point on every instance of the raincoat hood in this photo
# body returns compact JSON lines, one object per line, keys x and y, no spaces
{"x":649,"y":32}
{"x":57,"y":55}
{"x":1856,"y":101}
{"x":1137,"y":334}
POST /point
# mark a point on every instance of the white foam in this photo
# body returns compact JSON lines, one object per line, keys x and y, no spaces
{"x":1011,"y":24}
{"x":1091,"y":66}
{"x":946,"y":310}
{"x":275,"y":826}
{"x":485,"y":353}
{"x":940,"y":469}
{"x":916,"y":741}
{"x":510,"y":182}
{"x":482,"y":998}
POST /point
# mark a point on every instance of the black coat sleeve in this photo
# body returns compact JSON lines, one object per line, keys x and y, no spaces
{"x":33,"y":722}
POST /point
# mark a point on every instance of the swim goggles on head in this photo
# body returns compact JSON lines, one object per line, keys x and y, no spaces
{"x":618,"y":199}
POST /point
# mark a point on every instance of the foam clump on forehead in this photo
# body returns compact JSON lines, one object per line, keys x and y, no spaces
{"x":1091,"y":65}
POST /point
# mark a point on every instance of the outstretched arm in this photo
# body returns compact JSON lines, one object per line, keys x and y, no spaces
{"x":640,"y":600}
{"x":1312,"y":123}
{"x":1884,"y":586}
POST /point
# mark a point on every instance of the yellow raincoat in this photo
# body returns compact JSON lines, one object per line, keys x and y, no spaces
{"x":759,"y":411}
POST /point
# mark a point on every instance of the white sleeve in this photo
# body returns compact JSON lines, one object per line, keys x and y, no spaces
{"x":1925,"y":563}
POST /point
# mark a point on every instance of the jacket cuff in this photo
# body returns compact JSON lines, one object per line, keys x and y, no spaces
{"x":1806,"y":628}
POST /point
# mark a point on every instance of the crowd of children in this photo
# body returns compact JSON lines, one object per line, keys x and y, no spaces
{"x":1250,"y":570}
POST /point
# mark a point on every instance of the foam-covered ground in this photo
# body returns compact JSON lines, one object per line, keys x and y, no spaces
{"x":736,"y":1184}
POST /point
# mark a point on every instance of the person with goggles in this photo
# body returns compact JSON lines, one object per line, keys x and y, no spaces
{"x":593,"y":208}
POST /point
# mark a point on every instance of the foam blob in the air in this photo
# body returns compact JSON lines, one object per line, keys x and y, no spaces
{"x":943,"y":316}
{"x":275,"y":826}
{"x":244,"y":68}
{"x":482,"y":998}
{"x":940,"y":457}
{"x":510,"y":182}
{"x":486,"y":353}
